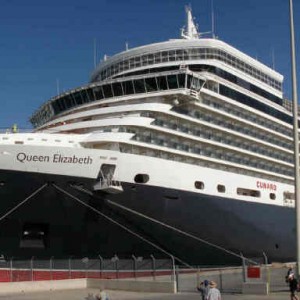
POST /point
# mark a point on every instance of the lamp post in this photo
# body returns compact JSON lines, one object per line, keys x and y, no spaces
{"x":296,"y":139}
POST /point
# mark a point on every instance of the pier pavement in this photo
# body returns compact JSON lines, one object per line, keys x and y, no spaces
{"x":82,"y":294}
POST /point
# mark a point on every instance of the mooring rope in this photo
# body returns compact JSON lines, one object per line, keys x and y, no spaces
{"x":23,"y":202}
{"x":171,"y":227}
{"x":179,"y":231}
{"x":122,"y":226}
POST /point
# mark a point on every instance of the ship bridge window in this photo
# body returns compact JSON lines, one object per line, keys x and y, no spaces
{"x":162,"y":83}
{"x":248,"y":192}
{"x":98,"y":93}
{"x":90,"y":95}
{"x":107,"y":91}
{"x":221,"y":188}
{"x":117,"y":89}
{"x":128,"y":87}
{"x":34,"y":236}
{"x":141,"y":178}
{"x":199,"y":185}
{"x":181,"y":80}
{"x":61,"y":104}
{"x":69,"y":102}
{"x":139,"y":86}
{"x":188,"y":82}
{"x":150,"y":84}
{"x":172,"y":82}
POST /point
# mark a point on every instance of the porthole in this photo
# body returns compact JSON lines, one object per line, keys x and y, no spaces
{"x":221,"y":188}
{"x":272,"y":196}
{"x":141,"y":178}
{"x":199,"y":185}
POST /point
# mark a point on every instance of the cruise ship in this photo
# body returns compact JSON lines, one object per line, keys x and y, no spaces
{"x":180,"y":148}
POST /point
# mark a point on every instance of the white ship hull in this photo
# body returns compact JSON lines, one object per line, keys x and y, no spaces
{"x":235,"y":223}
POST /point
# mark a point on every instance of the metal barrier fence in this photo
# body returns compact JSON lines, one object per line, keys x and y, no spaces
{"x":72,"y":268}
{"x":228,"y":279}
{"x":231,"y":279}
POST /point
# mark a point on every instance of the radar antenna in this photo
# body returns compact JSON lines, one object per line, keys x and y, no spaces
{"x":191,"y":30}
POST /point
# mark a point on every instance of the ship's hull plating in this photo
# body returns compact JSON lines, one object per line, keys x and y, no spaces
{"x":72,"y":229}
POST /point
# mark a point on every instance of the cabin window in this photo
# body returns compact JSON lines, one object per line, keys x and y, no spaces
{"x":199,"y":185}
{"x":248,"y":192}
{"x":272,"y":196}
{"x":141,"y":178}
{"x":221,"y":188}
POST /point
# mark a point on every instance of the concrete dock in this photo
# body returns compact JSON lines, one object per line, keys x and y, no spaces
{"x":83,"y":294}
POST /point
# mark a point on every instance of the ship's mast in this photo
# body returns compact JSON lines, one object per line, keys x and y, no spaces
{"x":190,"y":32}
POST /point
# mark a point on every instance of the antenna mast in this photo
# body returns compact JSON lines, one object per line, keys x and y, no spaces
{"x":191,"y":31}
{"x":212,"y":20}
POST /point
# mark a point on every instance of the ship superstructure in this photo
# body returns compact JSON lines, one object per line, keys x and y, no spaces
{"x":189,"y":131}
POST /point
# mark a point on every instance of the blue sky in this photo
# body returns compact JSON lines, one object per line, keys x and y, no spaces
{"x":45,"y":41}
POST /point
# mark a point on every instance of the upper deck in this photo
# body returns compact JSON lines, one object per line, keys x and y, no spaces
{"x":189,"y":52}
{"x":167,"y":66}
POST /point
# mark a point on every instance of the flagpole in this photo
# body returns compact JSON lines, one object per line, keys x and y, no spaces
{"x":296,"y":138}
